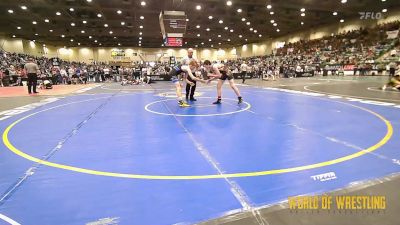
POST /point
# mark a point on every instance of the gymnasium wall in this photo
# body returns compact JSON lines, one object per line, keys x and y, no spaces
{"x":85,"y":54}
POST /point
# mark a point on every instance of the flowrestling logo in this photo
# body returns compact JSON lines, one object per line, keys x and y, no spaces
{"x":370,"y":15}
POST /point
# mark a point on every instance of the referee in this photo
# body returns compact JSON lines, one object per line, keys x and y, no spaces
{"x":190,"y":89}
{"x":31,"y":69}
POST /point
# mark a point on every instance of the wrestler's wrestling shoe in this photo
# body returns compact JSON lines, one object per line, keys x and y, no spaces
{"x":240,"y":100}
{"x":183,"y":104}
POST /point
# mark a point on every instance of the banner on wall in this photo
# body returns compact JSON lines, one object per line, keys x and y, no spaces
{"x":392,"y":34}
{"x":279,"y":44}
{"x":117,"y":52}
{"x":348,"y":67}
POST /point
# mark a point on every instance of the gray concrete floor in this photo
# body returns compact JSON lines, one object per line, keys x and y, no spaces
{"x":282,"y":215}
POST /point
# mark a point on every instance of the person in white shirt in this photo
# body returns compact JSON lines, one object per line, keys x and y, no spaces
{"x":106,"y":72}
{"x":243,"y":71}
{"x":71,"y":72}
{"x":276,"y":72}
{"x":270,"y":73}
{"x":64,"y":75}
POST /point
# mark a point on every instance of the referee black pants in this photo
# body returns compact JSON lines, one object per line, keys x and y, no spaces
{"x":32,"y":82}
{"x":190,"y":89}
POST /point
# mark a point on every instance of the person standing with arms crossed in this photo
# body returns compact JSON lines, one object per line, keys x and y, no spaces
{"x":32,"y":69}
{"x":189,"y":88}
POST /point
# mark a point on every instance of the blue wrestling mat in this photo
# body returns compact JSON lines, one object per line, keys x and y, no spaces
{"x":138,"y":158}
